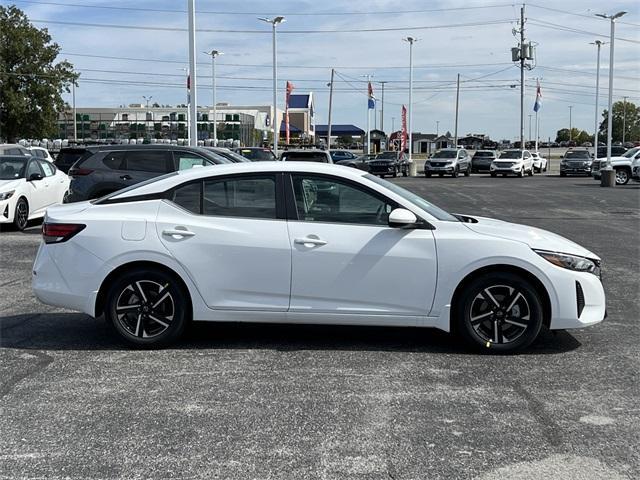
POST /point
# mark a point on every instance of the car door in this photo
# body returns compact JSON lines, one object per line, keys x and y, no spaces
{"x":141,"y":165}
{"x":230,"y":234}
{"x":346,"y":258}
{"x":58,"y":182}
{"x":37,"y":190}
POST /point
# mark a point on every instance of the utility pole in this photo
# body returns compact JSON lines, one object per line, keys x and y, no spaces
{"x":75,"y":115}
{"x":382,"y":108}
{"x":457,"y":103}
{"x":214,"y":54}
{"x":570,"y":125}
{"x":624,"y":117}
{"x":193,"y":105}
{"x":522,"y":58}
{"x":330,"y":104}
{"x":412,"y":165}
{"x":599,"y":44}
{"x":437,"y":128}
{"x":530,"y":115}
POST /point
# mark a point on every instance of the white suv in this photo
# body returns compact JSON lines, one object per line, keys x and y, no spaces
{"x":539,"y":162}
{"x":449,"y":161}
{"x":515,"y":162}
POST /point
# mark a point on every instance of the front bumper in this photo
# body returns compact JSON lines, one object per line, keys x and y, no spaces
{"x":438,"y":169}
{"x":512,"y":169}
{"x":582,"y":300}
{"x":582,"y":170}
{"x":7,"y":210}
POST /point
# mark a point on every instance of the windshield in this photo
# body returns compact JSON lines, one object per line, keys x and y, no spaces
{"x":419,"y":202}
{"x":484,"y":154}
{"x":445,"y":154}
{"x":631,"y":152}
{"x":257,"y":154}
{"x":12,"y":168}
{"x":578,"y":154}
{"x":304,"y":157}
{"x":511,"y":154}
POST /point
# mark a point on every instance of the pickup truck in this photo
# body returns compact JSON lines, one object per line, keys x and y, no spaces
{"x":622,"y":166}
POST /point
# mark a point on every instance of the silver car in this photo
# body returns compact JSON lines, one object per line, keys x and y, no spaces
{"x":449,"y":161}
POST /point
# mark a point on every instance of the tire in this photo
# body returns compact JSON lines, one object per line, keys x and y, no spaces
{"x":381,"y":176}
{"x":531,"y":172}
{"x":441,"y":175}
{"x":467,"y":172}
{"x":509,"y":324}
{"x":622,"y":176}
{"x":395,"y":173}
{"x":21,"y":214}
{"x":428,"y":175}
{"x":521,"y":172}
{"x":493,"y":174}
{"x":405,"y":173}
{"x":562,"y":174}
{"x":147,"y":308}
{"x":455,"y":173}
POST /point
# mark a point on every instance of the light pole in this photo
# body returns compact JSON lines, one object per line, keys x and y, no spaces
{"x":75,"y":114}
{"x":530,"y":115}
{"x":193,"y":105}
{"x":599,"y":44}
{"x":570,"y":127}
{"x":147,"y":99}
{"x":437,"y":128}
{"x":412,"y":166}
{"x":274,"y":121}
{"x":146,"y":124}
{"x":214,"y":54}
{"x":607,"y":177}
{"x":624,"y":117}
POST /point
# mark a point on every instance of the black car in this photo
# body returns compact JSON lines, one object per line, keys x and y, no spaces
{"x":256,"y":154}
{"x":361,"y":162}
{"x":576,"y":162}
{"x":105,"y":169}
{"x":616,"y":151}
{"x":338,"y":155}
{"x":481,"y":161}
{"x":390,"y":163}
{"x":68,"y":156}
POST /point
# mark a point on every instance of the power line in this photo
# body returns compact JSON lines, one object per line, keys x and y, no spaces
{"x":555,"y":26}
{"x":245,"y":13}
{"x":264,"y":32}
{"x":591,"y":17}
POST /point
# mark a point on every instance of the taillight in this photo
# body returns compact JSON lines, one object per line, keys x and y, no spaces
{"x":79,"y":172}
{"x":60,"y":232}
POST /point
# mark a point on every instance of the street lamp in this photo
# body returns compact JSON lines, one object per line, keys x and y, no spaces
{"x":214,"y":54}
{"x":148,"y":99}
{"x":274,"y":121}
{"x":599,"y":44}
{"x":411,"y":41}
{"x":437,"y":128}
{"x":607,"y":177}
{"x":570,"y":126}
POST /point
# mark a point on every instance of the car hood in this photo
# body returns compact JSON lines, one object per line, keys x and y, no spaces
{"x":385,"y":160}
{"x":532,"y":236}
{"x":505,"y":160}
{"x":10,"y":184}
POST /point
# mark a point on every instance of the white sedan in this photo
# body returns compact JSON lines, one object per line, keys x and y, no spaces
{"x":28,"y":186}
{"x":304,"y":242}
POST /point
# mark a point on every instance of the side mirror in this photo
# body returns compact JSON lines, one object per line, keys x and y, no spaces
{"x":402,"y":218}
{"x":35,"y":176}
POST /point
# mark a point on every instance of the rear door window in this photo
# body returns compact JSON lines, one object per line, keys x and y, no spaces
{"x":114,"y":160}
{"x":153,"y":161}
{"x":252,"y":197}
{"x":187,"y":160}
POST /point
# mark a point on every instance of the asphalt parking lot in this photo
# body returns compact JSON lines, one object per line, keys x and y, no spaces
{"x":282,"y":401}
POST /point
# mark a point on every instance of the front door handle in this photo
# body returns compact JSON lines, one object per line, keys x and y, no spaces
{"x":177,"y":234}
{"x":125,"y":177}
{"x":309,"y":241}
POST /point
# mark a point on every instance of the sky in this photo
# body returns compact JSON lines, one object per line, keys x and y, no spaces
{"x":470,"y":38}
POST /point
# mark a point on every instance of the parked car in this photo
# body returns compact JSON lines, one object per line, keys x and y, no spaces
{"x":449,"y":161}
{"x":635,"y":170}
{"x":306,"y":155}
{"x":621,"y":164}
{"x":256,"y":154}
{"x":40,"y":152}
{"x":539,"y":162}
{"x":13,"y":149}
{"x":68,"y":156}
{"x":341,"y":254}
{"x":616,"y":151}
{"x":576,"y":162}
{"x":106,"y":169}
{"x":482,"y":159}
{"x":28,"y":185}
{"x":338,"y":155}
{"x":361,"y":162}
{"x":233,"y":157}
{"x":513,"y":162}
{"x":390,"y":163}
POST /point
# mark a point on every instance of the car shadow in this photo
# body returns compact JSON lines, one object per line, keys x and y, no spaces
{"x":74,"y":331}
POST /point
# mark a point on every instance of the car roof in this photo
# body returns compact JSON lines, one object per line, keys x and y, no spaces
{"x":168,"y":181}
{"x":15,"y":157}
{"x":298,"y":150}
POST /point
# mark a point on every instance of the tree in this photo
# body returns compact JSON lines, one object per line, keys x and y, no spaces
{"x":631,"y":122}
{"x":563,"y":134}
{"x":31,"y":84}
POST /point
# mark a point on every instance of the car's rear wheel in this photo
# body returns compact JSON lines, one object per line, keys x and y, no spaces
{"x":531,"y":172}
{"x":427,"y":174}
{"x":467,"y":172}
{"x":493,"y":174}
{"x":147,"y":308}
{"x":622,"y":176}
{"x":562,"y":174}
{"x":500,"y":312}
{"x":21,"y":214}
{"x":455,"y":172}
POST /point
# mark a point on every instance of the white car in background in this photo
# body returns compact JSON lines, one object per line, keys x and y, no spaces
{"x":28,"y":185}
{"x":40,"y":152}
{"x":307,"y":242}
{"x":539,"y":162}
{"x":512,"y":162}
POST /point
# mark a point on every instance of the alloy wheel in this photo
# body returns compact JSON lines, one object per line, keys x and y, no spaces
{"x":500,"y":314}
{"x":22,"y":214}
{"x":622,"y":177}
{"x":145,"y":309}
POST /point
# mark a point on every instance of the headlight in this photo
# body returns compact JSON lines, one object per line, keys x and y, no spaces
{"x":6,"y":195}
{"x":571,"y":262}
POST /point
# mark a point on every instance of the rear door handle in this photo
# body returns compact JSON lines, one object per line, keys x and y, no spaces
{"x":125,"y":177}
{"x":309,"y":241}
{"x":178,"y":233}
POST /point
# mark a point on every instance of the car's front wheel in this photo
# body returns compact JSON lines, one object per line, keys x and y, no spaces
{"x":467,"y":172}
{"x":499,"y":312}
{"x":622,"y":176}
{"x":21,"y":214}
{"x":147,"y":308}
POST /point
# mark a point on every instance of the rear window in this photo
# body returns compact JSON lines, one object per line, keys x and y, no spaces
{"x":484,"y":154}
{"x":69,"y":157}
{"x":305,"y":157}
{"x":257,"y":154}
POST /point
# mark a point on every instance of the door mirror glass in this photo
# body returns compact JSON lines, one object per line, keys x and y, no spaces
{"x":401,"y":217}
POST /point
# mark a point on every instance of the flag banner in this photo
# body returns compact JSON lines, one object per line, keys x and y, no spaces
{"x":403,"y":143}
{"x":188,"y":89}
{"x":289,"y":89}
{"x":371,"y":104}
{"x":538,"y":104}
